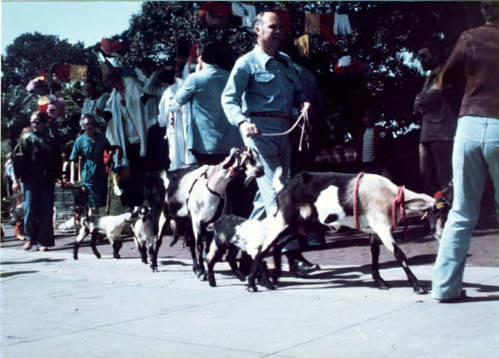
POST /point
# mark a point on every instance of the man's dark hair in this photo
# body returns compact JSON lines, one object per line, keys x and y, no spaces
{"x":214,"y":52}
{"x":167,"y":76}
{"x":490,"y":11}
{"x":147,"y":63}
{"x":41,"y":116}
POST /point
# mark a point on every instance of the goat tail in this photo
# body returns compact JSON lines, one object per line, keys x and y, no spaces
{"x":276,"y":180}
{"x":164,"y":179}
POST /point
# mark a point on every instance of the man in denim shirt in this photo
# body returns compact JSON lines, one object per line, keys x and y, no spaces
{"x":262,"y":89}
{"x":209,"y":136}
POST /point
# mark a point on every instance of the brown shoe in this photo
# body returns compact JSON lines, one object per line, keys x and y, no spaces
{"x":43,"y":248}
{"x":27,"y":246}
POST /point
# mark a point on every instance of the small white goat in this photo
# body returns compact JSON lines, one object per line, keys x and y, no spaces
{"x":251,"y":237}
{"x":110,"y":226}
{"x":143,"y":231}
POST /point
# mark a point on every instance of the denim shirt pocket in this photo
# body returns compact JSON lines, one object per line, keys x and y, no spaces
{"x":264,"y":77}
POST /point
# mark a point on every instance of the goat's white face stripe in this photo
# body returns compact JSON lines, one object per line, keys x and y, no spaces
{"x":328,"y":203}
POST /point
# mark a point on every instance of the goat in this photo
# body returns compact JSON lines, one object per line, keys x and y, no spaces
{"x":234,"y":234}
{"x":143,"y":230}
{"x":312,"y":203}
{"x":196,"y":197}
{"x":110,"y":226}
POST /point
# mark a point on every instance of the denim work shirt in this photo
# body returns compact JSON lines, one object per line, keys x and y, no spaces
{"x":261,"y":83}
{"x":209,"y":132}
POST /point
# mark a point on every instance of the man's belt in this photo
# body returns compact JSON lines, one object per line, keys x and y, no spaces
{"x":270,"y":115}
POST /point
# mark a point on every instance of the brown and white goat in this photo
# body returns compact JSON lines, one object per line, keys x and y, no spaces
{"x":312,"y":202}
{"x":196,"y":197}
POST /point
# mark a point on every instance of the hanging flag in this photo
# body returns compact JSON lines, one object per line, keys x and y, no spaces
{"x":312,"y":23}
{"x":302,"y":43}
{"x":215,"y":13}
{"x":246,"y":12}
{"x":43,"y":103}
{"x":342,"y":24}
{"x":62,"y":72}
{"x":78,"y":73}
{"x":326,"y":27}
{"x":285,"y":19}
{"x":113,"y":47}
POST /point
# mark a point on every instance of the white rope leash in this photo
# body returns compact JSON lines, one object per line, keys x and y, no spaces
{"x":302,"y":117}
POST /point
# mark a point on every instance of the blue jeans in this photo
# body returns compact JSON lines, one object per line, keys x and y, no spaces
{"x":274,"y":152}
{"x":475,"y":154}
{"x":38,"y":213}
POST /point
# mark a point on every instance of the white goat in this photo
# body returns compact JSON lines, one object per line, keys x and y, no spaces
{"x":110,"y":226}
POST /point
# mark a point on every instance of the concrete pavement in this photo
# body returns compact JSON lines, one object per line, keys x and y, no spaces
{"x":53,"y":306}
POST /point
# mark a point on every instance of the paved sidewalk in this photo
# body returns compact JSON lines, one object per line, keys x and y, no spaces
{"x":53,"y":306}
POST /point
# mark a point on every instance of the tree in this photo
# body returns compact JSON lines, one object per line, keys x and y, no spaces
{"x":29,"y":54}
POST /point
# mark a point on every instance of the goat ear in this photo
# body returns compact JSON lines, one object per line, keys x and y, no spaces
{"x":418,"y":204}
{"x":231,"y":158}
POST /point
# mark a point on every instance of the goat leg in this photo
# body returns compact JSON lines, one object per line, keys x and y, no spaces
{"x":143,"y":252}
{"x":93,"y":245}
{"x":213,"y":256}
{"x":116,"y":249}
{"x":417,"y":286}
{"x":231,"y":259}
{"x":75,"y":250}
{"x":154,"y":256}
{"x":378,"y":281}
{"x":263,"y":276}
{"x":202,"y":275}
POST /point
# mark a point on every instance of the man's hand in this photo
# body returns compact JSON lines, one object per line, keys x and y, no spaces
{"x":305,"y":108}
{"x":248,"y":129}
{"x":171,"y":118}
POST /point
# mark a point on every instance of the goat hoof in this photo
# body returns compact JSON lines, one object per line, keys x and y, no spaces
{"x":213,"y":283}
{"x":381,"y":284}
{"x":252,"y":288}
{"x":202,"y":276}
{"x":75,"y":257}
{"x":420,"y":289}
{"x":270,"y":286}
{"x":117,"y":256}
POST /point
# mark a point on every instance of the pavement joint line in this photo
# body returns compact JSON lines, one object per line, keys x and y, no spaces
{"x":99,"y":327}
{"x":180,"y":342}
{"x":339,"y":330}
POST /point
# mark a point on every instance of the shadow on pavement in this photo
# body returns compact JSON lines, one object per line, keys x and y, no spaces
{"x":14,"y":273}
{"x":30,"y":261}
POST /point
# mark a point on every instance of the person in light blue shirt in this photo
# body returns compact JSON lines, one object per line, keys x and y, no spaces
{"x":90,"y":146}
{"x":210,"y":136}
{"x":261,"y":91}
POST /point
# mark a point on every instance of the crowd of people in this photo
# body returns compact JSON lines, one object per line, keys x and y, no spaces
{"x":194,"y":113}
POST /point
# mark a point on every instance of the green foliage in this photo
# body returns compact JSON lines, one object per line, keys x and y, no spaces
{"x":24,"y":59}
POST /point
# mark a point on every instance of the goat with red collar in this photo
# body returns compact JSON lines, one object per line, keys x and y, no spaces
{"x":316,"y":202}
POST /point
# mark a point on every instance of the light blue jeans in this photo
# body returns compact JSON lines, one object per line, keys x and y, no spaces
{"x":475,"y":154}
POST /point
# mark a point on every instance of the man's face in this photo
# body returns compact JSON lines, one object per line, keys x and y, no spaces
{"x":36,"y":123}
{"x":269,"y":32}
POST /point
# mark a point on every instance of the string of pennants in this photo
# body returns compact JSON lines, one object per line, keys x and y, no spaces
{"x":222,"y":14}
